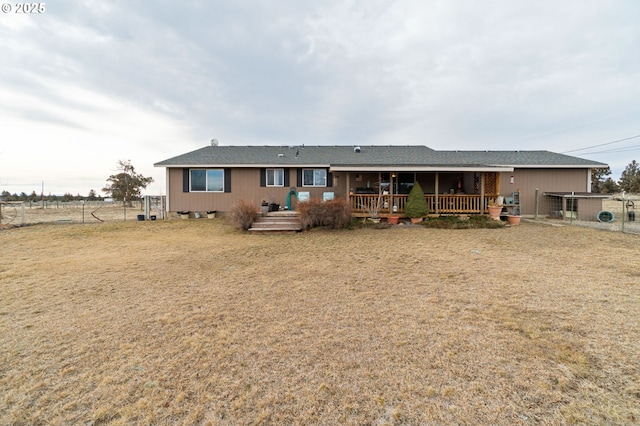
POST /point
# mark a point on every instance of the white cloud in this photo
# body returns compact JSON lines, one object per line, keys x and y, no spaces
{"x":153,"y":82}
{"x":77,"y":144}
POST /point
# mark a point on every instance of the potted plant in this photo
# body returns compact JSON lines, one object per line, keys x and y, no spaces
{"x":393,"y":218}
{"x":495,"y":208}
{"x":211,"y":214}
{"x":513,"y":219}
{"x":184,"y":214}
{"x":416,"y":207}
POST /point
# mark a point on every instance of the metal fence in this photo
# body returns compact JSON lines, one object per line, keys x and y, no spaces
{"x":617,"y":214}
{"x":21,"y":213}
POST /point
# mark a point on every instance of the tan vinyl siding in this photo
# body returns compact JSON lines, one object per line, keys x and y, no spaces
{"x":245,"y":184}
{"x":545,"y":180}
{"x":588,"y":209}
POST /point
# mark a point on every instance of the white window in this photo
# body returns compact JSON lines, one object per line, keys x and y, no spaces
{"x":314,"y":177}
{"x":275,"y":177}
{"x":206,"y":180}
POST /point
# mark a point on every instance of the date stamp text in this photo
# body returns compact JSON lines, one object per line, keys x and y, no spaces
{"x":24,"y":8}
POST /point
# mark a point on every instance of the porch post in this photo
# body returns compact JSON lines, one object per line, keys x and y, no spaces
{"x":348,"y":189}
{"x":391,"y":188}
{"x":437,"y":186}
{"x":390,"y":197}
{"x":482,"y":188}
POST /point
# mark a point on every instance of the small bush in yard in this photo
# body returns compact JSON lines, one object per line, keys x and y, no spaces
{"x":416,"y":203}
{"x":455,"y":222}
{"x":244,"y":213}
{"x":482,"y":221}
{"x":333,"y":214}
{"x":309,"y":213}
{"x":365,"y":223}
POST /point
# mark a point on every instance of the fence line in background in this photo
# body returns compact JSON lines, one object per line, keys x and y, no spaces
{"x":18,"y":213}
{"x":77,"y":204}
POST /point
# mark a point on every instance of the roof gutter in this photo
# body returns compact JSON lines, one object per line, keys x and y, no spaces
{"x":558,"y":166}
{"x":245,"y":166}
{"x":420,"y":169}
{"x":386,"y":168}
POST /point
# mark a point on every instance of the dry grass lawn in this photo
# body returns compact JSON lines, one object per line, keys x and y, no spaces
{"x":193,"y":322}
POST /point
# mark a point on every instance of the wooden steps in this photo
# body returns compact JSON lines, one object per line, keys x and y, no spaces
{"x":282,"y":221}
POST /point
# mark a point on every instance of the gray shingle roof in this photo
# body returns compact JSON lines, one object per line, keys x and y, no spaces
{"x":376,"y":155}
{"x":517,"y":158}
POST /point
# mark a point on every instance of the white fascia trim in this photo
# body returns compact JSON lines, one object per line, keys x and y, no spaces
{"x":589,"y":195}
{"x":549,"y":166}
{"x":246,"y":166}
{"x":420,"y":169}
{"x":497,"y":168}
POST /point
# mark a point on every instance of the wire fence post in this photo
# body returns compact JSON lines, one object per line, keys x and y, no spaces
{"x":571,"y":212}
{"x":623,"y":212}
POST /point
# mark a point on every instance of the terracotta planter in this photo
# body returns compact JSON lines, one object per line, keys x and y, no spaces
{"x":494,"y":212}
{"x":416,"y":219}
{"x":393,"y":219}
{"x":513,"y":220}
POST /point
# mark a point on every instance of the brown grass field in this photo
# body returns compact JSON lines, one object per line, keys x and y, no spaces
{"x":193,"y":322}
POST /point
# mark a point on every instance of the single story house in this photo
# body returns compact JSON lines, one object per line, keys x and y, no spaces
{"x":454,"y":182}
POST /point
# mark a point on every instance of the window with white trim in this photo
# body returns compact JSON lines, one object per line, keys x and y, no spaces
{"x":206,"y":180}
{"x":314,"y":177}
{"x":275,"y":177}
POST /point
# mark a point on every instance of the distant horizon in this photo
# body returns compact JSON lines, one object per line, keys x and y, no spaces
{"x":159,"y":182}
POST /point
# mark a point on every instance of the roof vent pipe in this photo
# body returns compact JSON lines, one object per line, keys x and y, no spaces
{"x":356,"y":149}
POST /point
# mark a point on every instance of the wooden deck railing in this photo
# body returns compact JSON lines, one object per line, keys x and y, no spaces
{"x":446,"y":203}
{"x":463,"y":203}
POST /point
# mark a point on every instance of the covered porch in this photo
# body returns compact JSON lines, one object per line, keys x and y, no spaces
{"x":464,"y":191}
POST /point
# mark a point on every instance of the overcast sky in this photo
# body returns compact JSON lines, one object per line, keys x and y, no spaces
{"x":88,"y":83}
